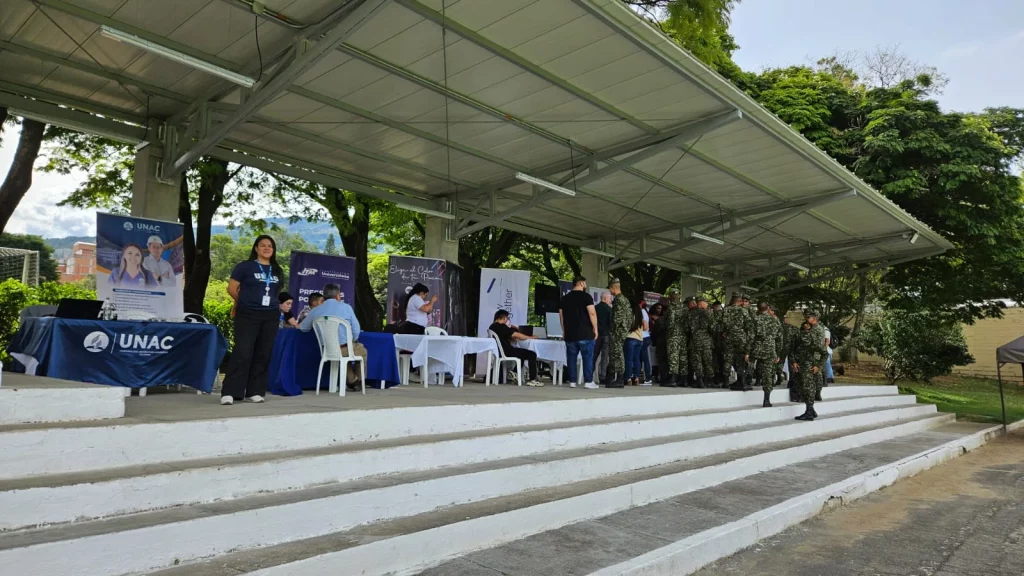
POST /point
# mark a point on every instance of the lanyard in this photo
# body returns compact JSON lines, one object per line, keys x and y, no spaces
{"x":266,"y":276}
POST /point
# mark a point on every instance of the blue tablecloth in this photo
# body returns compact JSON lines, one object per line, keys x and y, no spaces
{"x":297,"y":355}
{"x":131,"y":354}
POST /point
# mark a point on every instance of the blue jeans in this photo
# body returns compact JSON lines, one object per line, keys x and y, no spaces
{"x":828,"y":366}
{"x":645,"y":358}
{"x":575,"y":348}
{"x":631,"y":349}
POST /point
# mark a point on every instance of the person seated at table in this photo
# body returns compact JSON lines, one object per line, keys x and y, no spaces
{"x":315,"y":299}
{"x":417,"y":310}
{"x":333,"y":307}
{"x":285,"y":302}
{"x":506,"y":334}
{"x":130,"y":272}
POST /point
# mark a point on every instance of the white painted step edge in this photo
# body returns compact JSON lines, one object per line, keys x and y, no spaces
{"x":47,"y":405}
{"x":31,"y":507}
{"x":69,"y":449}
{"x":691,"y":554}
{"x":412,"y":553}
{"x":163,"y":545}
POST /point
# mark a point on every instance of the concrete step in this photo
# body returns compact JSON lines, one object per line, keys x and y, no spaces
{"x":168,"y":537}
{"x":92,"y":446}
{"x":24,"y":401}
{"x":681,"y":534}
{"x":38,"y":501}
{"x":408,"y":545}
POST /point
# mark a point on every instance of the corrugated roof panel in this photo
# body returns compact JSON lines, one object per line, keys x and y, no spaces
{"x":16,"y":13}
{"x":578,"y":34}
{"x":345,"y":77}
{"x":528,"y":23}
{"x":403,"y":48}
{"x":74,"y":83}
{"x":28,"y":71}
{"x":391,"y":21}
{"x":477,"y":14}
{"x":288,"y":107}
{"x":158,"y":16}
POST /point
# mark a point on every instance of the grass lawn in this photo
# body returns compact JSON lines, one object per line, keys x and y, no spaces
{"x":973,"y":399}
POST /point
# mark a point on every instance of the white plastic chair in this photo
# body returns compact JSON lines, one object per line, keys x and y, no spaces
{"x":326,"y":329}
{"x":430,"y":331}
{"x":502,"y":359}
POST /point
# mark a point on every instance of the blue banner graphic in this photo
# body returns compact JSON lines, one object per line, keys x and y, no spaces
{"x":140,"y":264}
{"x":310,"y":272}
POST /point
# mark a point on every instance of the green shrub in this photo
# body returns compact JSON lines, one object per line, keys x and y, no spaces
{"x":218,"y":312}
{"x":915,"y":345}
{"x":14,"y":296}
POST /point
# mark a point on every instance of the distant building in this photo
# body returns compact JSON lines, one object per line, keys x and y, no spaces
{"x":80,"y":264}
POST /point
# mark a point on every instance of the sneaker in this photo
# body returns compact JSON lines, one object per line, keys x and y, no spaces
{"x":257,"y":399}
{"x":591,"y":386}
{"x":572,"y":384}
{"x":535,"y":383}
{"x":226,"y":400}
{"x":647,"y":383}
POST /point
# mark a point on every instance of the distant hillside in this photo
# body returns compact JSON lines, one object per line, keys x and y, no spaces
{"x":315,"y":233}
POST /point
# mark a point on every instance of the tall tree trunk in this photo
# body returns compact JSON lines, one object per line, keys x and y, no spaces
{"x":188,"y":234}
{"x":19,"y":176}
{"x":355,"y":238}
{"x":858,"y":322}
{"x":213,"y":177}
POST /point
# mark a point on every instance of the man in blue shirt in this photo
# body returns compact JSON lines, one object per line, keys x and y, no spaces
{"x":334,"y":307}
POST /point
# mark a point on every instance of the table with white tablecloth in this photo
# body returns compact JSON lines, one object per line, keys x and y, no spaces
{"x":547,"y":351}
{"x":443,"y":353}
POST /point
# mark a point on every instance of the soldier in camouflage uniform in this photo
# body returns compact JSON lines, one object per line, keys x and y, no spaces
{"x":717,"y":355}
{"x":676,"y":348}
{"x":766,"y":349}
{"x":809,"y":360}
{"x":622,"y":318}
{"x":736,"y":341}
{"x":789,"y":336}
{"x":686,"y":319}
{"x":701,"y":326}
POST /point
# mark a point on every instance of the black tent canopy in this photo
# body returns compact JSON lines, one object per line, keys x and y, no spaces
{"x":1009,"y":353}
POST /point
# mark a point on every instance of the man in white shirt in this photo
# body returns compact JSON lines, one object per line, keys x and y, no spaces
{"x":156,"y":265}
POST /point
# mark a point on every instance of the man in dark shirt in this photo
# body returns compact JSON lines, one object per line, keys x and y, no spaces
{"x":579,"y":329}
{"x":506,"y":334}
{"x":604,"y":332}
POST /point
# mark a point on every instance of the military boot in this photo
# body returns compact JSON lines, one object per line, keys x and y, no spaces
{"x":767,"y":400}
{"x":748,"y":383}
{"x":807,"y":415}
{"x":738,"y":384}
{"x":817,"y":396}
{"x":614,"y":381}
{"x":669,"y":381}
{"x":814,"y":413}
{"x":699,"y":382}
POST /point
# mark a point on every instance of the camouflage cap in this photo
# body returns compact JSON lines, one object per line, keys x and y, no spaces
{"x":810,"y":313}
{"x":737,"y":296}
{"x":744,"y":297}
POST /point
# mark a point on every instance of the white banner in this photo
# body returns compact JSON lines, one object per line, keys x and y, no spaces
{"x":501,"y":290}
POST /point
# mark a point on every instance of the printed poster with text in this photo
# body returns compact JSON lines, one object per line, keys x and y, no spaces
{"x":140,"y":264}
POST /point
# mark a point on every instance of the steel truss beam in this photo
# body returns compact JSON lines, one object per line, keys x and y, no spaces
{"x":886,"y":264}
{"x":53,"y":114}
{"x":829,"y":249}
{"x":689,"y":132}
{"x":304,"y":57}
{"x":730,"y":228}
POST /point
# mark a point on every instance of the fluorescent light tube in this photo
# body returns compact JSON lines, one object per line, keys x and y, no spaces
{"x":799,"y":267}
{"x":544,"y":184}
{"x":596,"y":251}
{"x":427,"y":211}
{"x":701,"y":277}
{"x":711,"y":239}
{"x":913,"y":239}
{"x":750,"y":288}
{"x":202,"y":65}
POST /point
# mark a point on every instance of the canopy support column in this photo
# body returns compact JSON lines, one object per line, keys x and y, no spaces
{"x":154,"y":196}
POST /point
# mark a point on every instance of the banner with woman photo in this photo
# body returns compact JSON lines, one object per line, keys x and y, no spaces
{"x":140,"y":263}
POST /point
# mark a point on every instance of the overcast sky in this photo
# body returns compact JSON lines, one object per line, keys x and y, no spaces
{"x":978,"y":45}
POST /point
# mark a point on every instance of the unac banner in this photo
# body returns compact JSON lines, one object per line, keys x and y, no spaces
{"x":310,"y":272}
{"x":501,"y":290}
{"x":139,"y":264}
{"x":406,"y":271}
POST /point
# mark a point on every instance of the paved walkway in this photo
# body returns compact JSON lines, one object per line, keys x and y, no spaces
{"x":963,"y":518}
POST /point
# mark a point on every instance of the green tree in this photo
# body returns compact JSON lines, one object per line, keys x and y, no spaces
{"x":19,"y":174}
{"x":330,"y":247}
{"x":47,"y":265}
{"x":226,"y":252}
{"x":916,"y":345}
{"x":700,"y":26}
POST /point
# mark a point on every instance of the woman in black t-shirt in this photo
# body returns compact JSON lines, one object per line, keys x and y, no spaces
{"x":254,"y":286}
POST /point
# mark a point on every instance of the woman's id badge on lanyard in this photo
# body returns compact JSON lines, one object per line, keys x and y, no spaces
{"x":266,"y":279}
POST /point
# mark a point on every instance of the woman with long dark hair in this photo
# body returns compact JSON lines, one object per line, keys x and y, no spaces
{"x":254,"y":286}
{"x":131,"y":272}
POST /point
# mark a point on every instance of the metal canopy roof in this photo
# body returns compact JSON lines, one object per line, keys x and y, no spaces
{"x":439,"y":108}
